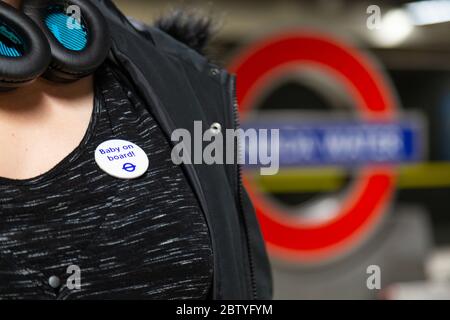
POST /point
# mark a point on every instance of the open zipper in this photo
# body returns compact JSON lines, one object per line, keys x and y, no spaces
{"x":239,"y":190}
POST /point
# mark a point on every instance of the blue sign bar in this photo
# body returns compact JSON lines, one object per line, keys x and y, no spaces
{"x":343,"y":143}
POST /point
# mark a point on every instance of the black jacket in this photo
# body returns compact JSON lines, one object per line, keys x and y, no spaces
{"x":180,"y":86}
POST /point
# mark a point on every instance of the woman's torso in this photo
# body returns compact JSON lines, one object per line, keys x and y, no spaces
{"x":143,"y":238}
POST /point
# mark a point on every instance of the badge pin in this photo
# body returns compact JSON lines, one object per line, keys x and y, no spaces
{"x":121,"y":159}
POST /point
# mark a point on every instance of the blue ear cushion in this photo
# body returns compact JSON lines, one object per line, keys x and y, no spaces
{"x":75,"y":53}
{"x":8,"y":50}
{"x":74,"y":38}
{"x":24,"y":50}
{"x":10,"y":44}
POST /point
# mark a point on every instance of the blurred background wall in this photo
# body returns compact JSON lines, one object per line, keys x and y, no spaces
{"x":411,"y":50}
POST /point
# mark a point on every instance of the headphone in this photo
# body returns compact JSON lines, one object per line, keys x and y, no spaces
{"x":45,"y":39}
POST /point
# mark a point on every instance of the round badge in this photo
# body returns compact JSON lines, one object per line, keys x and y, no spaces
{"x":121,"y":159}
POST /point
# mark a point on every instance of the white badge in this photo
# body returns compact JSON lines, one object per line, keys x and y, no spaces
{"x":121,"y":159}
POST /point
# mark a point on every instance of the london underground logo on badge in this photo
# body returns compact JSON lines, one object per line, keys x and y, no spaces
{"x":129,"y":167}
{"x":121,"y":159}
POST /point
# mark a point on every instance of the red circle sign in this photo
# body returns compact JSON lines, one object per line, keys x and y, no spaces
{"x":366,"y":202}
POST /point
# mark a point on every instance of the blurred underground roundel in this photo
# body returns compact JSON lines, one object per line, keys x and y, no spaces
{"x":340,"y":142}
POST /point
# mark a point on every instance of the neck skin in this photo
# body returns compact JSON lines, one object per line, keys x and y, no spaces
{"x":14,"y":3}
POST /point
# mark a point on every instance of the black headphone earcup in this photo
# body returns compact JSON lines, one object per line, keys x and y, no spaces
{"x":78,"y":46}
{"x":24,"y":50}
